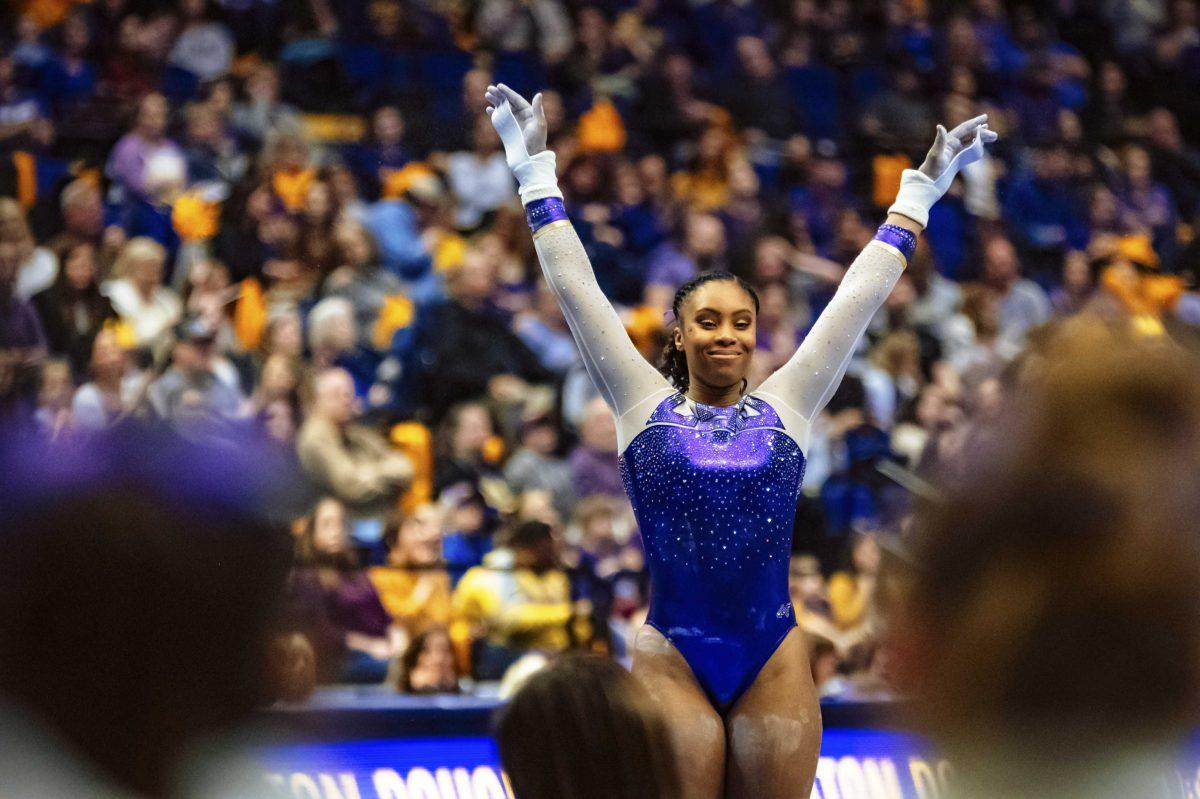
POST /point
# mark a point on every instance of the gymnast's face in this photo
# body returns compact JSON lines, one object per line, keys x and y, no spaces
{"x":717,"y":333}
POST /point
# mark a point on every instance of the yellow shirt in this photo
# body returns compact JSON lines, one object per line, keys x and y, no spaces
{"x":416,"y":599}
{"x":514,"y":608}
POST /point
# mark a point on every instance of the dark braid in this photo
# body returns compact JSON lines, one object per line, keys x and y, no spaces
{"x":674,"y":362}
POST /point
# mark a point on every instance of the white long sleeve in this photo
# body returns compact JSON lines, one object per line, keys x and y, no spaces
{"x":806,"y":382}
{"x":624,"y":378}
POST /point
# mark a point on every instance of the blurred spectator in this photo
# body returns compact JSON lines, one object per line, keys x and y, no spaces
{"x":508,"y":611}
{"x":537,"y":462}
{"x":37,"y":267}
{"x":427,"y":666}
{"x":194,"y":565}
{"x":198,"y":374}
{"x":702,"y":250}
{"x":137,"y":292}
{"x":334,"y":601}
{"x":262,"y":112}
{"x":351,"y":462}
{"x":22,"y":341}
{"x":383,"y":153}
{"x":1175,"y":164}
{"x":1023,"y":304}
{"x":1144,"y":204}
{"x":461,"y":447}
{"x":23,"y":119}
{"x":114,"y":390}
{"x":73,"y":310}
{"x":412,"y":585}
{"x":467,"y":346}
{"x":204,"y":46}
{"x":592,"y":716}
{"x":594,"y":467}
{"x":479,"y":178}
{"x":83,"y":217}
{"x":55,"y":389}
{"x":468,"y":536}
{"x":131,"y":155}
{"x":361,"y":279}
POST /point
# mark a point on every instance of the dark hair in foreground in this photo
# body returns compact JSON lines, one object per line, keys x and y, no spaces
{"x":1055,"y":589}
{"x":584,"y":728}
{"x":141,"y":575}
{"x":673,"y":364}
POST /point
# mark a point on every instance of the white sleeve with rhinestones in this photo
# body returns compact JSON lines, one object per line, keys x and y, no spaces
{"x":807,"y":381}
{"x":625,"y":379}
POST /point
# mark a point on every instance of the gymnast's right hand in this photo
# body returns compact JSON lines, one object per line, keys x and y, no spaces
{"x":522,"y":129}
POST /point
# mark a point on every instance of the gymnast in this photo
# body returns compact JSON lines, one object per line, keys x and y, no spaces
{"x":713,"y":470}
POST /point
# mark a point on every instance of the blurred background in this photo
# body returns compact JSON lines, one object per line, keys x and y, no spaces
{"x":289,"y":221}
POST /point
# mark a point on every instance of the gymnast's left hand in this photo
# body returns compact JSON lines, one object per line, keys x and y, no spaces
{"x":947,"y":145}
{"x":921,"y":188}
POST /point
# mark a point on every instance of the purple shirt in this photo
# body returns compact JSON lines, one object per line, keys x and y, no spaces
{"x":127,"y":164}
{"x":669,"y":267}
{"x":19,"y":325}
{"x":595,"y":472}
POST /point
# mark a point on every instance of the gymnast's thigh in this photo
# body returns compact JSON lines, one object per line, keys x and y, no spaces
{"x":773,"y":731}
{"x":697,"y":733}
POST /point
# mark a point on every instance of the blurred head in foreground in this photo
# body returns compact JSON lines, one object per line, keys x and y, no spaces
{"x":141,"y":574}
{"x":1050,"y":629}
{"x":583,"y":728}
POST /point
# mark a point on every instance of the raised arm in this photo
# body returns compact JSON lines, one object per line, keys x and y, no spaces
{"x":811,"y":376}
{"x":623,"y":376}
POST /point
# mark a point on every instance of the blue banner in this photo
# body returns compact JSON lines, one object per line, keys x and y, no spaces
{"x":854,"y":764}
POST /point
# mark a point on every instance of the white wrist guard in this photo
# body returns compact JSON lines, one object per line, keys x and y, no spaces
{"x":918,"y":192}
{"x":535,"y":174}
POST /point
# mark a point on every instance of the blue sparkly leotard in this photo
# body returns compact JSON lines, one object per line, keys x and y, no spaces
{"x":714,"y":489}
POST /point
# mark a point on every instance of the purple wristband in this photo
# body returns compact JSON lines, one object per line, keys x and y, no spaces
{"x":540,"y":213}
{"x":903,"y":240}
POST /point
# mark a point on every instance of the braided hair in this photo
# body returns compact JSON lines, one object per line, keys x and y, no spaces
{"x":674,"y":362}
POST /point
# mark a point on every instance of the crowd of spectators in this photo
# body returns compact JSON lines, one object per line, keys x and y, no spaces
{"x":293,"y":219}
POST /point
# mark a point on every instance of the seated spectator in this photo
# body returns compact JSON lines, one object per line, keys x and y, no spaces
{"x":114,"y":390}
{"x":262,"y":112}
{"x":468,"y":347}
{"x":427,"y":666}
{"x":383,"y":153}
{"x":37,"y":267}
{"x":594,"y":466}
{"x":336,"y":604}
{"x":349,"y":461}
{"x":24,"y":123}
{"x":591,"y":717}
{"x":413,"y":585}
{"x":479,"y":178}
{"x":137,"y":292}
{"x":132,"y":153}
{"x":73,"y":310}
{"x":509,"y":611}
{"x":197,"y":370}
{"x":1023,"y":304}
{"x":333,"y":337}
{"x":22,"y":341}
{"x":53,"y":413}
{"x":361,"y":279}
{"x":851,"y":589}
{"x":1146,"y":205}
{"x":468,"y":532}
{"x":537,"y":463}
{"x":82,"y":210}
{"x":461,"y":450}
{"x":204,"y":46}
